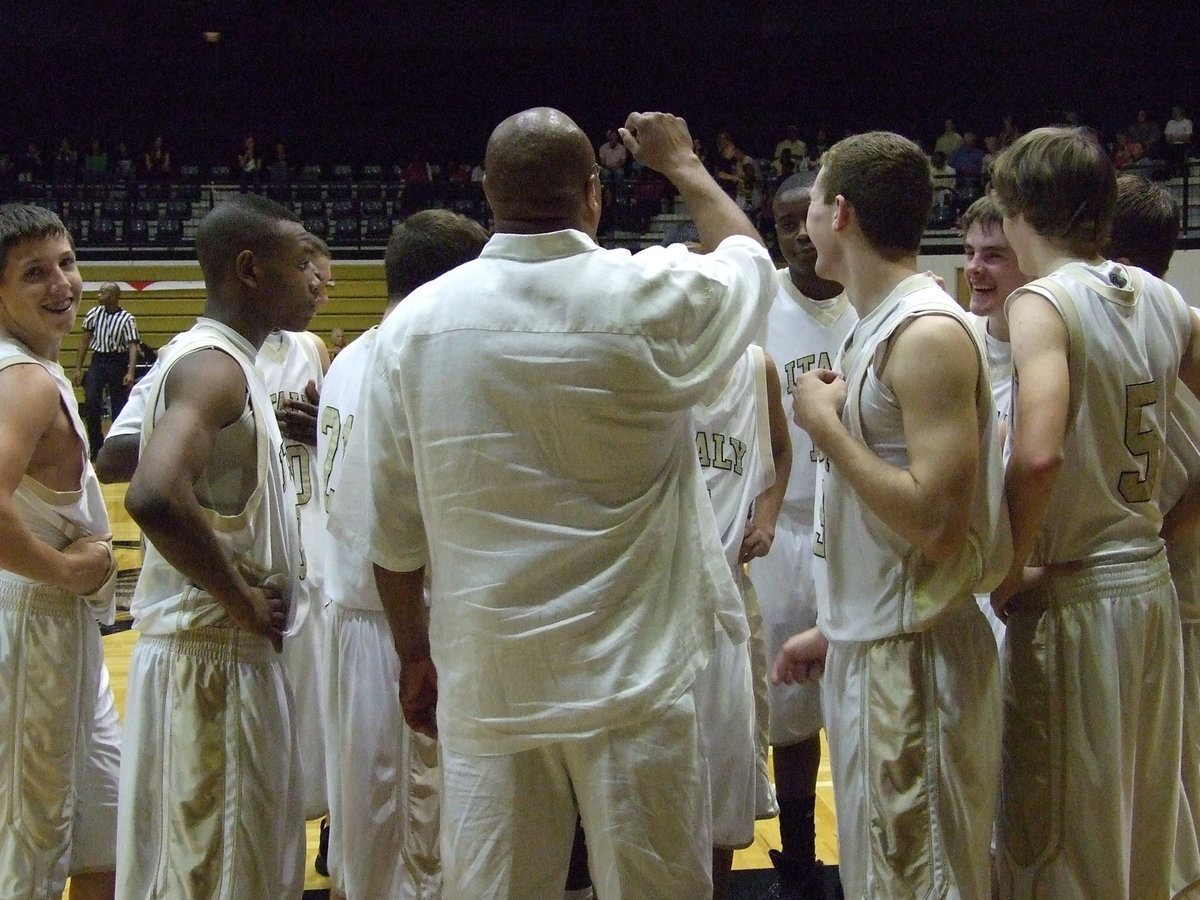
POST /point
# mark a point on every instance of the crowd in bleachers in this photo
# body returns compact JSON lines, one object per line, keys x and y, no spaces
{"x":111,"y":196}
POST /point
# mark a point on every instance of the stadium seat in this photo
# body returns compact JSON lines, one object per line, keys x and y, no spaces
{"x":114,"y":209}
{"x":102,"y":231}
{"x":138,"y":232}
{"x":145,"y":209}
{"x":373,"y":208}
{"x":378,"y":229}
{"x":344,"y":209}
{"x":312,"y":209}
{"x":178,"y":209}
{"x":317,"y":225}
{"x":169,"y":232}
{"x":345,"y":231}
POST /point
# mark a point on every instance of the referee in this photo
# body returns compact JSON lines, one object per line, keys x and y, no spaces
{"x":111,"y":334}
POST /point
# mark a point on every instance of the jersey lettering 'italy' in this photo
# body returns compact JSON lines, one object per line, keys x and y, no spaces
{"x":1127,"y":330}
{"x":801,"y":335}
{"x":871,"y":582}
{"x":732,"y":430}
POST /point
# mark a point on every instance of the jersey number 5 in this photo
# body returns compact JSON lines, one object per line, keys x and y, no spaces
{"x":1142,"y":441}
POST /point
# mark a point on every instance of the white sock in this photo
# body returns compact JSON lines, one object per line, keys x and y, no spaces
{"x":579,"y":894}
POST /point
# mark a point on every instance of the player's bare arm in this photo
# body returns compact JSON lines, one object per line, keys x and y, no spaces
{"x":1043,"y":389}
{"x":932,"y":370}
{"x":205,"y":392}
{"x":403,"y":596}
{"x":37,"y":439}
{"x":662,"y":142}
{"x":760,"y":530}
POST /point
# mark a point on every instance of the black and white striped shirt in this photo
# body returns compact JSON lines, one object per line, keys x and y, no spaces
{"x":112,"y":332}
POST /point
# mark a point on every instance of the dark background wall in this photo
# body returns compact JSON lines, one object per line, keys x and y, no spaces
{"x":379,"y":81}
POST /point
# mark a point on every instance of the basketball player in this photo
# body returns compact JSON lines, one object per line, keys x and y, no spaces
{"x":909,"y":513}
{"x":528,"y":435}
{"x":992,"y":274}
{"x":809,"y":318}
{"x":292,"y":365}
{"x":1146,"y":224}
{"x":745,"y":454}
{"x":383,"y":776}
{"x":57,"y":577}
{"x":210,"y":781}
{"x":1093,"y":650}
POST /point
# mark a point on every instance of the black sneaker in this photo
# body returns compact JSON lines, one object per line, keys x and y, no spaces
{"x":798,"y":880}
{"x":321,"y":863}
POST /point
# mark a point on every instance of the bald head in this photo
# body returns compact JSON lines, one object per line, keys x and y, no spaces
{"x":538,"y":167}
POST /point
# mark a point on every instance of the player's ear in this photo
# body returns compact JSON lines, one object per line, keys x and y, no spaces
{"x":245,"y":268}
{"x":843,"y":212}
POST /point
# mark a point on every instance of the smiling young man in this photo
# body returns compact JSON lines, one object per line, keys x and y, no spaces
{"x":908,"y":522}
{"x":992,"y":274}
{"x":210,"y":786}
{"x":1092,"y":701}
{"x":55,"y":566}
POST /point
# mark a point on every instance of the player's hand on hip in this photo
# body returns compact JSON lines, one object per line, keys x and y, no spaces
{"x":263,"y":612}
{"x":89,"y":563}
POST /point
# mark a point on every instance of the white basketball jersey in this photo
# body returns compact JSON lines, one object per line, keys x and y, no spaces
{"x":261,"y":537}
{"x":348,"y":577}
{"x":871,"y":583}
{"x":803,"y":334}
{"x":1181,"y":468}
{"x":733,"y":441}
{"x":1127,"y":330}
{"x":1000,"y":368}
{"x":288,"y":360}
{"x":60,"y":517}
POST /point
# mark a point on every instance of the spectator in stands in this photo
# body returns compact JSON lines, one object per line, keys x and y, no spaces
{"x":1009,"y":132}
{"x":943,"y":179}
{"x":1177,"y":134}
{"x":156,"y":162}
{"x":278,"y":170}
{"x":822,"y":143}
{"x":750,"y":192}
{"x":967,"y":159}
{"x":111,"y":334}
{"x":1126,"y":152}
{"x":991,"y":146}
{"x":337,"y":341}
{"x":249,"y":161}
{"x":792,"y":143}
{"x":31,"y":167}
{"x":728,"y":164}
{"x":1147,"y":133}
{"x":123,"y":165}
{"x":949,"y":140}
{"x":95,"y":161}
{"x":784,"y":165}
{"x":612,"y":153}
{"x":66,"y":161}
